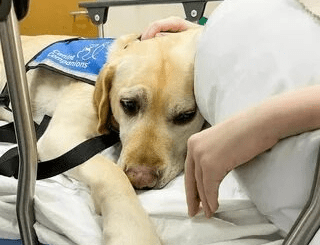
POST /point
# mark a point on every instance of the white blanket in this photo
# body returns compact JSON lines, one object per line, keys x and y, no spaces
{"x":65,"y":214}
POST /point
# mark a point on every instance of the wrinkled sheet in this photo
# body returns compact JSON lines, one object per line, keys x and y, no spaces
{"x":65,"y":214}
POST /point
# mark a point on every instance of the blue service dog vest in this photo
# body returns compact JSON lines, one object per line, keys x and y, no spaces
{"x":81,"y":59}
{"x":78,"y":58}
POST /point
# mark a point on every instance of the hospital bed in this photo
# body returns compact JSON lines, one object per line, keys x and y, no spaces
{"x":302,"y":232}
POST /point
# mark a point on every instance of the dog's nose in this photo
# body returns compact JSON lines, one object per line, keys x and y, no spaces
{"x":142,"y":177}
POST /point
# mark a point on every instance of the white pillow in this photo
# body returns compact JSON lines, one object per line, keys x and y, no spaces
{"x":251,"y":50}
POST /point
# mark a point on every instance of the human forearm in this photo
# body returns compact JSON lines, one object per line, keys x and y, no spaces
{"x":292,"y":113}
{"x":262,"y":126}
{"x":213,"y":152}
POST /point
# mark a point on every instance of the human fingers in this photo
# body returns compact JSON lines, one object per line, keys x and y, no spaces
{"x":211,"y":190}
{"x":162,"y":34}
{"x":172,"y":24}
{"x":201,"y":190}
{"x":192,"y":195}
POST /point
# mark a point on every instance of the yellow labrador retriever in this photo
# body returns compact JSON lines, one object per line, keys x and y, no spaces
{"x":145,"y":91}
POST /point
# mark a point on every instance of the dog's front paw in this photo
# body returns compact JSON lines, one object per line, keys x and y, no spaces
{"x":130,"y":239}
{"x":125,"y":222}
{"x":129,"y":229}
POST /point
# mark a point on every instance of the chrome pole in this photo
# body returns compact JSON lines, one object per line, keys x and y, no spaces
{"x":101,"y":31}
{"x":308,"y":221}
{"x":18,"y":92}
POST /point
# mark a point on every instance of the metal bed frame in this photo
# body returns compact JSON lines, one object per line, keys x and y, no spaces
{"x":98,"y":11}
{"x":18,"y":92}
{"x":11,"y":11}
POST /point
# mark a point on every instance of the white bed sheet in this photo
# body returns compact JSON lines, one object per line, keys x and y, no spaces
{"x":65,"y":214}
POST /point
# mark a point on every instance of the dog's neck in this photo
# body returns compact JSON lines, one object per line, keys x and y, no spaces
{"x":312,"y":6}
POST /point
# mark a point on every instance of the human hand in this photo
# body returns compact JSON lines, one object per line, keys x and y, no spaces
{"x":213,"y":152}
{"x":166,"y":26}
{"x":206,"y":166}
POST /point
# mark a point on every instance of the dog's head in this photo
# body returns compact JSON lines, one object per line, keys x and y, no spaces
{"x":146,"y":91}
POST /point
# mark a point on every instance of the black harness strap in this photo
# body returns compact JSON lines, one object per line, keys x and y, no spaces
{"x":4,"y":98}
{"x":76,"y":156}
{"x":7,"y":133}
{"x":9,"y":161}
{"x":42,"y":127}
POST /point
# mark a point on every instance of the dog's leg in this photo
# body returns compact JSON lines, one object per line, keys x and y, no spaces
{"x":124,"y":220}
{"x":5,"y":115}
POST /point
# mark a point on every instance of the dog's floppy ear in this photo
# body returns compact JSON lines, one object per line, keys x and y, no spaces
{"x":101,"y":98}
{"x":104,"y":83}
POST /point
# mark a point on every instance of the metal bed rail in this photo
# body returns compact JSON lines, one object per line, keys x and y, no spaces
{"x":98,"y":11}
{"x":18,"y":92}
{"x":308,"y":222}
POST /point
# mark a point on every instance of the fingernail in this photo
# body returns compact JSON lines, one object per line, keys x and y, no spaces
{"x":209,"y":215}
{"x":192,"y":213}
{"x":213,"y":208}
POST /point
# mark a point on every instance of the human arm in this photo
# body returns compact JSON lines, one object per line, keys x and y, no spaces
{"x":214,"y":152}
{"x":171,"y":24}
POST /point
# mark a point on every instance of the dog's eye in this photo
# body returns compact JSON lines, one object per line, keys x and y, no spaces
{"x":129,"y":106}
{"x":184,"y":118}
